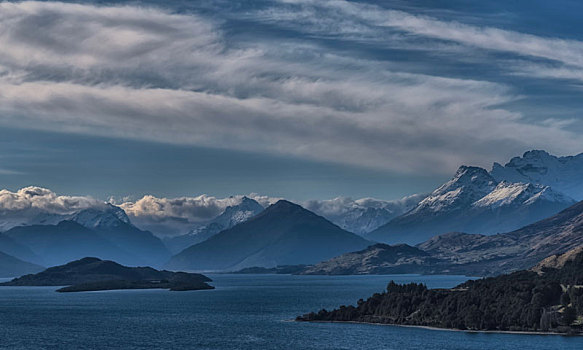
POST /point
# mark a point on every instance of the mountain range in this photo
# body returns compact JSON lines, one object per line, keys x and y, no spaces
{"x":11,"y":266}
{"x":477,"y":222}
{"x":362,"y":215}
{"x":105,"y":232}
{"x":469,"y":254}
{"x":478,"y":201}
{"x":232,"y":216}
{"x":563,"y":174}
{"x":283,"y":234}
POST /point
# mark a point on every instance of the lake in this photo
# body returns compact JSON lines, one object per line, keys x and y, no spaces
{"x":244,"y":312}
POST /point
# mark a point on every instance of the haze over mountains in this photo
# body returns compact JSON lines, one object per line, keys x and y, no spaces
{"x":283,"y":234}
{"x":476,"y":201}
{"x":41,"y":228}
{"x":469,"y":254}
{"x":232,"y":216}
{"x":103,"y":231}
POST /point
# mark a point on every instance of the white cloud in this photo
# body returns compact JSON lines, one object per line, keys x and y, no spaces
{"x":146,"y":73}
{"x":341,"y":206}
{"x":339,"y":17}
{"x":38,"y":199}
{"x":37,"y":205}
{"x":173,"y":216}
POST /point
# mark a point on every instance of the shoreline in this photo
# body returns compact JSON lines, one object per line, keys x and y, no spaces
{"x":448,"y":329}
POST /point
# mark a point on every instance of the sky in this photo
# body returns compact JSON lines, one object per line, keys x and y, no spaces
{"x":294,"y":98}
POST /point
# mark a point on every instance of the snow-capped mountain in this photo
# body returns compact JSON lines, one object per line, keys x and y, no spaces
{"x":362,"y":215}
{"x":239,"y":213}
{"x":232,"y":216}
{"x":468,"y":185}
{"x":110,"y":216}
{"x":562,"y":174}
{"x":508,"y":193}
{"x":473,"y":201}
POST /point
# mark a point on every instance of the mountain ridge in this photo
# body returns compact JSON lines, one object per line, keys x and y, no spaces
{"x":473,"y":201}
{"x":283,"y":234}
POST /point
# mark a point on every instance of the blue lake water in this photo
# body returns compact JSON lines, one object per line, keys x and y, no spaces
{"x":244,"y":312}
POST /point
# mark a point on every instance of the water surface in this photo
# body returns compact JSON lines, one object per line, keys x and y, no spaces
{"x":244,"y":312}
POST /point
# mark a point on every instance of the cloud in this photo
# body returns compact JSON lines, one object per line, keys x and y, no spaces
{"x":173,"y":216}
{"x":341,"y":206}
{"x":37,"y":205}
{"x":362,"y":215}
{"x":148,"y":73}
{"x":38,"y":199}
{"x":164,"y":216}
{"x":359,"y":20}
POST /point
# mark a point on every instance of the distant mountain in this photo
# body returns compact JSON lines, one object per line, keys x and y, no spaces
{"x":112,"y":223}
{"x":17,"y":250}
{"x":507,"y":252}
{"x":11,"y":266}
{"x":103,"y":232}
{"x":66,"y":241}
{"x":232,"y":216}
{"x":563,"y":174}
{"x":473,"y":201}
{"x":362,"y":215}
{"x":27,"y":217}
{"x":377,"y":259}
{"x":283,"y":234}
{"x":469,"y":254}
{"x":107,"y":217}
{"x":95,"y":274}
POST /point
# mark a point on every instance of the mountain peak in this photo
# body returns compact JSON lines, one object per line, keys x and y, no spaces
{"x":283,"y":234}
{"x":536,"y":153}
{"x":471,"y":173}
{"x":283,"y":204}
{"x":562,"y":174}
{"x":468,"y":185}
{"x":108,"y":216}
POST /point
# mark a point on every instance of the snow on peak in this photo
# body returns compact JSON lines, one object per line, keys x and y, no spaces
{"x":563,"y":174}
{"x":467,"y":186}
{"x":362,"y":215}
{"x":109,"y":216}
{"x":518,"y":193}
{"x":239,"y":213}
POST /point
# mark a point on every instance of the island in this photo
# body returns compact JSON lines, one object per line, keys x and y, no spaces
{"x":547,"y":298}
{"x":93,"y":274}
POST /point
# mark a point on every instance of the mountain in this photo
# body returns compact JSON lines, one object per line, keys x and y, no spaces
{"x":559,"y":261}
{"x":549,"y":300}
{"x":17,"y":250}
{"x":362,"y":215}
{"x":101,"y":218}
{"x":468,"y":254}
{"x":34,"y":233}
{"x":232,"y":216}
{"x":106,"y":233}
{"x":112,"y":223}
{"x":283,"y":234}
{"x":563,"y":174}
{"x":473,"y":201}
{"x":507,"y":252}
{"x":66,"y":241}
{"x":377,"y":259}
{"x":95,"y":274}
{"x":11,"y":266}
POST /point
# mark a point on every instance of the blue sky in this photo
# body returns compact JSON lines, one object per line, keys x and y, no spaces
{"x":299,"y":99}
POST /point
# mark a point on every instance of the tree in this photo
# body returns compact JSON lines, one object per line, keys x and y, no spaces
{"x":565,"y":299}
{"x":569,"y":316}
